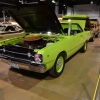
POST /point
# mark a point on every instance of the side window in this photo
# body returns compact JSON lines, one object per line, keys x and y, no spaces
{"x":75,"y":29}
{"x":9,"y":28}
{"x":17,"y":28}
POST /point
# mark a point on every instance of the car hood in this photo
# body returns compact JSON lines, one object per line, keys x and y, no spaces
{"x":35,"y":17}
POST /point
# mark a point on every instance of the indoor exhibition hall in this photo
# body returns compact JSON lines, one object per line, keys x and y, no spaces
{"x":49,"y":49}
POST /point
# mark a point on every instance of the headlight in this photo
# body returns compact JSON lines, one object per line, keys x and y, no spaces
{"x":38,"y":58}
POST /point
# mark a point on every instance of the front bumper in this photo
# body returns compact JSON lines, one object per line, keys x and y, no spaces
{"x":40,"y":68}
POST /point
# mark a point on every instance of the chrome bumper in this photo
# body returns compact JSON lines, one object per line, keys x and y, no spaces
{"x":40,"y":68}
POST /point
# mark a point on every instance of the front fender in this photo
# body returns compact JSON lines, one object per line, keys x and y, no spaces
{"x":50,"y":53}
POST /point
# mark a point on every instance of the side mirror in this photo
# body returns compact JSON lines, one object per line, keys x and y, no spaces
{"x":87,"y":29}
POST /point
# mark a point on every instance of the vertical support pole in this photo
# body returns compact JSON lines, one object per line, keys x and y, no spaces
{"x":99,"y":10}
{"x":10,"y":19}
{"x":66,"y":10}
{"x":3,"y":15}
{"x":73,"y":11}
{"x":57,"y":8}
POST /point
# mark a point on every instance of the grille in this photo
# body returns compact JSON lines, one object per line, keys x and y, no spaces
{"x":19,"y":54}
{"x":17,"y":49}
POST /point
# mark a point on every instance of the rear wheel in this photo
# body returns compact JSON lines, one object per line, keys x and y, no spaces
{"x":84,"y":47}
{"x":91,"y":39}
{"x":96,"y":36}
{"x":58,"y":67}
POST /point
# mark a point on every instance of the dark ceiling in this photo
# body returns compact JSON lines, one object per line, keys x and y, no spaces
{"x":61,"y":3}
{"x":78,"y":2}
{"x":66,"y":2}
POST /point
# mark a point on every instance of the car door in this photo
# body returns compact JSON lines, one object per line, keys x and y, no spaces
{"x":76,"y":34}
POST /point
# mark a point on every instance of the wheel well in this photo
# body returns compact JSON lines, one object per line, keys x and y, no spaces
{"x":64,"y":53}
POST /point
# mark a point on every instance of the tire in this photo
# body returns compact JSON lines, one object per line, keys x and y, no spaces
{"x":58,"y":67}
{"x":91,"y":39}
{"x":96,"y":36}
{"x":84,"y":47}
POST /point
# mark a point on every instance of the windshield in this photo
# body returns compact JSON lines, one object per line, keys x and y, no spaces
{"x":48,"y":32}
{"x":65,"y":25}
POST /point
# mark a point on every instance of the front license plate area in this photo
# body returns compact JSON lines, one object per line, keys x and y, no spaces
{"x":14,"y":65}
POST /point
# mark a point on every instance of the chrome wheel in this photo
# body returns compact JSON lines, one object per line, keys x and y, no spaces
{"x":58,"y":67}
{"x":59,"y":64}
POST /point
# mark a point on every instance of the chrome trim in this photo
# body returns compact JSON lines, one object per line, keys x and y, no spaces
{"x":6,"y":56}
{"x":14,"y":57}
{"x":40,"y":68}
{"x":14,"y":52}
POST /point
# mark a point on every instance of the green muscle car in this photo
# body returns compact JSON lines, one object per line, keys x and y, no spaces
{"x":47,"y":43}
{"x":81,"y":19}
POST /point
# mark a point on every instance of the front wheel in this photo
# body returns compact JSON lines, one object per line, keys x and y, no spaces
{"x":58,"y":67}
{"x":84,"y":47}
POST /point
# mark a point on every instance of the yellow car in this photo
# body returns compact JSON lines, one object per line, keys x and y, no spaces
{"x":95,"y":26}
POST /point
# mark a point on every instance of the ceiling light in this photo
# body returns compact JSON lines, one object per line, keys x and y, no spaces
{"x":91,"y":2}
{"x":21,"y":1}
{"x":53,"y":1}
{"x":69,"y":20}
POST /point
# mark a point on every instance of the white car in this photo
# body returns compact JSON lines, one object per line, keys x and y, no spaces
{"x":8,"y":30}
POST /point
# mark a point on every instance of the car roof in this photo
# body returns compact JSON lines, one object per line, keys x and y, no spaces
{"x":81,"y":16}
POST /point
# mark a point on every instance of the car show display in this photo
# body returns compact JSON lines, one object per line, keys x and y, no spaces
{"x":47,"y":43}
{"x":50,"y":49}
